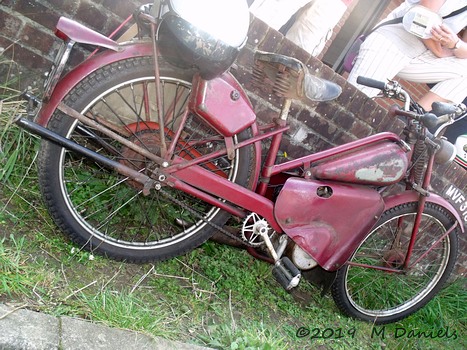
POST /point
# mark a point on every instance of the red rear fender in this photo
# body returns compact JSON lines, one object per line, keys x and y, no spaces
{"x":84,"y":69}
{"x":68,"y":29}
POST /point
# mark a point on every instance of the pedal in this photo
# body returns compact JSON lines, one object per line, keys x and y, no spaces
{"x":286,"y":273}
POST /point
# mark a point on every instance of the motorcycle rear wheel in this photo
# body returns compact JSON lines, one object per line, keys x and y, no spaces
{"x":382,"y":297}
{"x":103,"y":211}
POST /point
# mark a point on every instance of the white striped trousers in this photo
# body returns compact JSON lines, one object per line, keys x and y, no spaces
{"x":381,"y":59}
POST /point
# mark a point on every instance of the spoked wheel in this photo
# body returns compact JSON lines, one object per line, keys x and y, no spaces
{"x":380,"y":296}
{"x":107,"y":213}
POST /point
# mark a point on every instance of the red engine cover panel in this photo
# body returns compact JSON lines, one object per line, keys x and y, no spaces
{"x":223,"y":104}
{"x":378,"y":164}
{"x":326,"y":219}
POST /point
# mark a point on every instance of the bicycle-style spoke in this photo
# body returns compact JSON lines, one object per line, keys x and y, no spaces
{"x":114,"y":204}
{"x":110,"y":213}
{"x":379,"y":293}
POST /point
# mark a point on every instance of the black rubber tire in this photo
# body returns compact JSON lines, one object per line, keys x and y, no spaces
{"x":101,"y":210}
{"x":383,"y":297}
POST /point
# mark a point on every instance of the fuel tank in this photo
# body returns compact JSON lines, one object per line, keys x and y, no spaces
{"x":378,"y":164}
{"x":326,"y":219}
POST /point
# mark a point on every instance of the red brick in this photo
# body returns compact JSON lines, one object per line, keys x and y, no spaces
{"x":271,"y":41}
{"x":246,"y":58}
{"x":8,"y":3}
{"x":344,"y":138}
{"x":11,"y":25}
{"x":22,"y":54}
{"x":347,"y":95}
{"x":92,"y":16}
{"x":37,"y":39}
{"x":256,"y":32}
{"x":360,"y":129}
{"x":64,"y":6}
{"x":38,"y":13}
{"x":320,"y":123}
{"x":122,"y":9}
{"x":344,"y":119}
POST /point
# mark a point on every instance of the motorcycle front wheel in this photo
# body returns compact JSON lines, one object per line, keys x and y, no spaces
{"x":107,"y":213}
{"x":380,"y":296}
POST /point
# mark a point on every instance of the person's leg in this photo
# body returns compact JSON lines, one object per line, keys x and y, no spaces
{"x":378,"y":59}
{"x":313,"y":25}
{"x":427,"y":100}
{"x":449,"y":74}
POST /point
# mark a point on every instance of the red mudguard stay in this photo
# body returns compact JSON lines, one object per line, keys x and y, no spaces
{"x":411,"y":196}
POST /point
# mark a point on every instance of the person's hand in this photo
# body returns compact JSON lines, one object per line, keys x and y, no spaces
{"x":446,"y":37}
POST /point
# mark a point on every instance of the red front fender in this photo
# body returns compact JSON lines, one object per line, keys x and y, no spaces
{"x":411,"y":196}
{"x":84,"y":69}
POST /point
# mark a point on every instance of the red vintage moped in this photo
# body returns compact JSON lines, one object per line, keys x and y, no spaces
{"x":151,"y":145}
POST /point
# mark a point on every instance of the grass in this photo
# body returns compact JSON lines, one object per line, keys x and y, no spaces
{"x":188,"y":299}
{"x":15,"y":277}
{"x":217,"y":295}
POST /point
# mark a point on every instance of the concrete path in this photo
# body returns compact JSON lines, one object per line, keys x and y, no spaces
{"x":29,"y":330}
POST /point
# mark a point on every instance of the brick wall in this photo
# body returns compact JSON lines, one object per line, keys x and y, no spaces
{"x":27,"y":29}
{"x":314,"y":127}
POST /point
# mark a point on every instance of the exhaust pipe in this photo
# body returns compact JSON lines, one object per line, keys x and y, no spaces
{"x":45,"y":133}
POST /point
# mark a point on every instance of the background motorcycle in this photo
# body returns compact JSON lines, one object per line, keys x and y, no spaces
{"x":458,"y":136}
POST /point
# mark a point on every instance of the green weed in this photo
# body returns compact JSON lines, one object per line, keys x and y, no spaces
{"x":14,"y":272}
{"x":126,"y":310}
{"x":242,"y":336}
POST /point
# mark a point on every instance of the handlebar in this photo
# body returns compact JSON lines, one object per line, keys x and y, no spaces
{"x":433,"y":123}
{"x":371,"y":83}
{"x":442,"y":114}
{"x":441,"y":108}
{"x":391,"y":89}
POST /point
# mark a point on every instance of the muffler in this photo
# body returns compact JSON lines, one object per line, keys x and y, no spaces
{"x":45,"y":133}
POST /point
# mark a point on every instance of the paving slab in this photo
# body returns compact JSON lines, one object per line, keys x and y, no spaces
{"x":22,"y":329}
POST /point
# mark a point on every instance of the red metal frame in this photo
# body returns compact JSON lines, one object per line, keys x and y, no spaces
{"x":189,"y":173}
